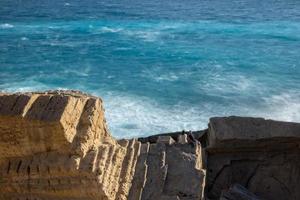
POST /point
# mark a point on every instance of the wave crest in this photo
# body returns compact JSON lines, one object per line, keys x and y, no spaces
{"x":6,"y":26}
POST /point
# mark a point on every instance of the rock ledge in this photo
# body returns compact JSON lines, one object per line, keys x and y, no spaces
{"x":56,"y":145}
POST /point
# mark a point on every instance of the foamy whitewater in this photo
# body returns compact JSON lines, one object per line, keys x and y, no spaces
{"x":160,"y":66}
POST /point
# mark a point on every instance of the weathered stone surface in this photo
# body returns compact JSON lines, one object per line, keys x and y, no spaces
{"x":186,"y":184}
{"x":56,"y":146}
{"x":238,"y":192}
{"x":240,"y":132}
{"x":50,"y":122}
{"x":261,"y":155}
{"x":165,"y":139}
{"x":165,"y":174}
{"x":139,"y":180}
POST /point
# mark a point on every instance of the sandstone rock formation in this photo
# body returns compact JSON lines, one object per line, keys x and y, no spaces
{"x":56,"y":146}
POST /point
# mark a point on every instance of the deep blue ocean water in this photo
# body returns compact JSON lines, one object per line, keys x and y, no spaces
{"x":159,"y":65}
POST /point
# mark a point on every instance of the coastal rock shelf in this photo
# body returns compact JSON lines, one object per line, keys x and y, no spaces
{"x":56,"y":146}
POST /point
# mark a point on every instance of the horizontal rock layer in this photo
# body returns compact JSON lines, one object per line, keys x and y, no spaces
{"x":56,"y":145}
{"x":261,"y":155}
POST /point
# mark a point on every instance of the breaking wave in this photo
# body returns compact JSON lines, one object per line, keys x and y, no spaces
{"x":6,"y":26}
{"x":158,"y":70}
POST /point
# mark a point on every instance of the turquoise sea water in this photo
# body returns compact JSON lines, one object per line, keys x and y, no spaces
{"x":159,"y":65}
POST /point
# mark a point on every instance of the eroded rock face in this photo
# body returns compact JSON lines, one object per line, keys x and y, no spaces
{"x":261,"y":155}
{"x":238,"y":192}
{"x":173,"y":170}
{"x":56,"y":145}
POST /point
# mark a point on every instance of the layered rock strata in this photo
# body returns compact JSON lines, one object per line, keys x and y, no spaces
{"x":56,"y":145}
{"x":261,"y":155}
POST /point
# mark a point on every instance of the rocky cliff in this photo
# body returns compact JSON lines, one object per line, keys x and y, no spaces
{"x":56,"y":145}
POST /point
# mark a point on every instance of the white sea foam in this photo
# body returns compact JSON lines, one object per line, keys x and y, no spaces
{"x":25,"y":86}
{"x":123,"y":48}
{"x":129,"y":116}
{"x":148,"y":35}
{"x":110,"y":30}
{"x":54,"y":27}
{"x":220,"y":82}
{"x":110,"y":76}
{"x":6,"y":26}
{"x":60,"y":43}
{"x":137,"y":116}
{"x":284,"y":106}
{"x":84,"y":71}
{"x":167,"y":77}
{"x":159,"y":76}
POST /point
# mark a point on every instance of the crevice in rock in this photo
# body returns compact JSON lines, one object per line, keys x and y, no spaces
{"x":19,"y":165}
{"x":8,"y":167}
{"x":251,"y":176}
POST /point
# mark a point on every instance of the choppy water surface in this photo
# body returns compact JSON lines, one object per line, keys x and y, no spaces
{"x":159,"y":65}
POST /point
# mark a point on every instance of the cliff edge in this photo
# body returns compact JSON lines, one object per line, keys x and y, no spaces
{"x":56,"y":145}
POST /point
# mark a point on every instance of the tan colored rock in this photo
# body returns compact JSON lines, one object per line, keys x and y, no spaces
{"x":50,"y":122}
{"x":56,"y":145}
{"x":139,"y":180}
{"x":182,"y":139}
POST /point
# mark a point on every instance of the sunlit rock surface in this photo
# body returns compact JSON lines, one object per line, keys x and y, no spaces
{"x":56,"y":145}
